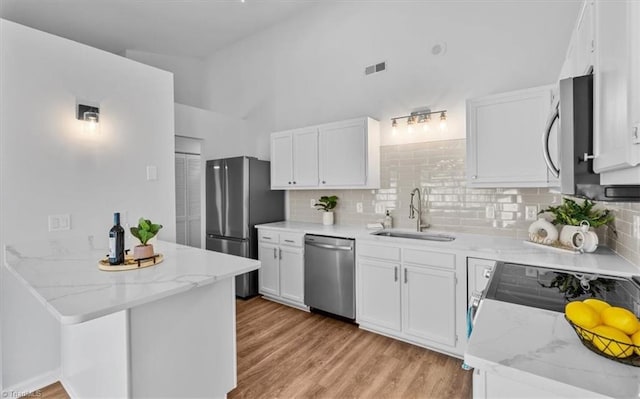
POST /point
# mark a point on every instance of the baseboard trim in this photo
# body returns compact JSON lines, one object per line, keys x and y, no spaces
{"x":31,"y":385}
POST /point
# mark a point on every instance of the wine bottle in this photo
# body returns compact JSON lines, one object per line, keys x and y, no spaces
{"x":116,"y":242}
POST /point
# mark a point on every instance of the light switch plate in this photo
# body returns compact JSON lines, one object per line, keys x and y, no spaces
{"x":359,"y":207}
{"x":312,"y":203}
{"x":380,"y":209}
{"x":152,"y":172}
{"x":490,"y":212}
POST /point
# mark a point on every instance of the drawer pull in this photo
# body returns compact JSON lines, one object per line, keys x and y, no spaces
{"x":290,"y":241}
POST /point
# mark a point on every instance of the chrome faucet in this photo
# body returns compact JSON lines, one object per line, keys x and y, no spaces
{"x":413,"y":209}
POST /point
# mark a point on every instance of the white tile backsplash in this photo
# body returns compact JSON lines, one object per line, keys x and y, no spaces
{"x":438,"y":169}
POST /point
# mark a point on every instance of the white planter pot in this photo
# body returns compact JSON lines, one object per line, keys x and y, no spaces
{"x":327,"y":218}
{"x":567,"y":233}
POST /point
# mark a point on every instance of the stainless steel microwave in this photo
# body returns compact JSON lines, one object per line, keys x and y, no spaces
{"x":573,"y":114}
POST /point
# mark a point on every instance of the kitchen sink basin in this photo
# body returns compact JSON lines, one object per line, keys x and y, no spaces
{"x":415,"y":236}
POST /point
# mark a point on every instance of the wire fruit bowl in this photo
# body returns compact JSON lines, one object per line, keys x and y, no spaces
{"x":609,"y":345}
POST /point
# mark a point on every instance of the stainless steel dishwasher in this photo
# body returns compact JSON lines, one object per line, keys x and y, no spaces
{"x":329,"y":275}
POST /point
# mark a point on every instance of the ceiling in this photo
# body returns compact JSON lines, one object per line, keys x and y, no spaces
{"x":195,"y":28}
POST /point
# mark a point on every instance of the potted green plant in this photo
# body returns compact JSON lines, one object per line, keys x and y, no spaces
{"x":571,"y":214}
{"x":145,"y":231}
{"x":326,"y":204}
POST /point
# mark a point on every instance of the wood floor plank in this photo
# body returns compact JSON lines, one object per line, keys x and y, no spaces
{"x":287,"y":353}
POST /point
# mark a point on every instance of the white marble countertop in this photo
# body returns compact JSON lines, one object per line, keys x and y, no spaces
{"x":532,"y":345}
{"x":66,"y":279}
{"x":603,"y":260}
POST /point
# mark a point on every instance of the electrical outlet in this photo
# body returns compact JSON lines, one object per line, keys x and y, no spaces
{"x":152,"y":172}
{"x":531,"y":212}
{"x":531,"y":272}
{"x":59,"y":222}
{"x":490,"y":212}
{"x":359,"y":207}
{"x":380,"y":209}
{"x":312,"y":203}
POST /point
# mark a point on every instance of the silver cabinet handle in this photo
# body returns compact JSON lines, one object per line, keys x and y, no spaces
{"x":266,"y":238}
{"x":275,"y":256}
{"x":289,"y":241}
{"x":486,"y":273}
{"x":405,"y":276}
{"x":280,"y":250}
{"x":395,"y":273}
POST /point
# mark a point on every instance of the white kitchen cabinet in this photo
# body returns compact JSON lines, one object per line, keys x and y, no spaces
{"x":617,"y":92}
{"x":294,"y":159}
{"x":338,"y":155}
{"x":428,"y":299}
{"x":379,"y":293}
{"x":490,"y":385}
{"x":281,"y":276}
{"x":269,"y":272}
{"x":478,"y":273}
{"x":504,"y":133}
{"x":410,"y":294}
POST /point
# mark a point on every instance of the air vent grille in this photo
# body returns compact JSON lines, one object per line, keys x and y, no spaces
{"x":379,"y":67}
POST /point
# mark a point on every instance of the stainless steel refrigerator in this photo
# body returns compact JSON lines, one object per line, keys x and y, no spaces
{"x":239,"y":196}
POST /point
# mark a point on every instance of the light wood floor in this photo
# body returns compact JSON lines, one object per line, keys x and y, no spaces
{"x":287,"y":353}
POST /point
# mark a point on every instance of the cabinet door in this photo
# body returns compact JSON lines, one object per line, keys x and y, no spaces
{"x":428,"y":303}
{"x":343,"y":154}
{"x":379,"y":293}
{"x":291,"y":273}
{"x":617,"y":145}
{"x":504,"y":139}
{"x":269,"y":272}
{"x":281,"y":160}
{"x":584,"y":37}
{"x":305,"y":158}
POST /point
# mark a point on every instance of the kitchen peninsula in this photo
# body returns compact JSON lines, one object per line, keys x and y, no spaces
{"x":162,"y":331}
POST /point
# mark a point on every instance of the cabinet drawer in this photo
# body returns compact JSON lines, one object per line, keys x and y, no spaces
{"x":379,"y":252}
{"x":268,"y":236}
{"x":292,"y":239}
{"x":428,"y":258}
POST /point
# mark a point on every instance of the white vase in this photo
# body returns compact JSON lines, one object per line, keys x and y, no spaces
{"x":567,"y":233}
{"x":327,"y":218}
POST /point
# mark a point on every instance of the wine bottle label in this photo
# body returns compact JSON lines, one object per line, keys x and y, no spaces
{"x":112,"y":246}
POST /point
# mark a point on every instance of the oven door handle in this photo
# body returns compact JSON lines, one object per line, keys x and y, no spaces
{"x":327,"y":246}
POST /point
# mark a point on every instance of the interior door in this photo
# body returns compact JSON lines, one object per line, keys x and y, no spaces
{"x":193,"y":230}
{"x":181,"y":199}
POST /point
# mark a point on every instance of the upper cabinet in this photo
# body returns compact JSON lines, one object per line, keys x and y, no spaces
{"x":294,"y":158}
{"x":343,"y":154}
{"x":617,"y":92}
{"x":504,"y":135}
{"x":580,"y":54}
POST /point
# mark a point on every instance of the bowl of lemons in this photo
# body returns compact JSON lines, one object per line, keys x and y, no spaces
{"x":610,"y":331}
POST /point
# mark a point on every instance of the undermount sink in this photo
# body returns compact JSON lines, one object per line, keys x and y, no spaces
{"x":415,"y":236}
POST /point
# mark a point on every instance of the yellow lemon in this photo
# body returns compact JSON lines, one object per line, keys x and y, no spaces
{"x":635,"y":338}
{"x":622,"y":348}
{"x":597,"y":304}
{"x":620,"y":318}
{"x":581,"y":314}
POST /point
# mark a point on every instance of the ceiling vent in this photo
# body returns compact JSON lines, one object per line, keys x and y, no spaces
{"x":382,"y":66}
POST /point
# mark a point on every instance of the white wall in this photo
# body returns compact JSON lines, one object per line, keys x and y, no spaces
{"x":311,"y":69}
{"x":187,"y":73}
{"x":48,"y":166}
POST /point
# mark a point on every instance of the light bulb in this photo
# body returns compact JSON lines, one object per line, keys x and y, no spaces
{"x":394,"y":127}
{"x":443,"y":121}
{"x":91,"y":122}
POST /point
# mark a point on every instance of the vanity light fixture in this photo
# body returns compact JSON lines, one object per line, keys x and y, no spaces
{"x":422,"y":118}
{"x":91,"y":117}
{"x":394,"y":126}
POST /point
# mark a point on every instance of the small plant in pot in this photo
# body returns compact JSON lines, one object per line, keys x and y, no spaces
{"x":145,"y":231}
{"x":326,"y":204}
{"x":570,"y":214}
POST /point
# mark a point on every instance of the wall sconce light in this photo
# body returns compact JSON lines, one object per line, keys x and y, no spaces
{"x":422,"y":118}
{"x":91,"y":117}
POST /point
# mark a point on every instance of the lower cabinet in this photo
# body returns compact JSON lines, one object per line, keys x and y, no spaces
{"x":411,"y":295}
{"x":281,"y":276}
